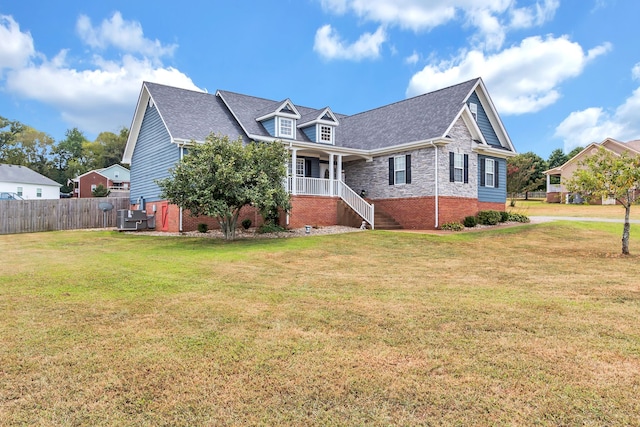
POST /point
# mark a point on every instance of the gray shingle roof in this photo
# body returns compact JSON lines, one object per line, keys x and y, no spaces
{"x":23,"y":175}
{"x":193,"y":115}
{"x":415,"y":119}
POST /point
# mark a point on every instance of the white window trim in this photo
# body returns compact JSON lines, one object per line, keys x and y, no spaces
{"x":489,"y":182}
{"x":38,"y":192}
{"x":396,"y":170}
{"x":279,"y":123}
{"x":20,"y":191}
{"x":319,"y":134}
{"x":458,"y":165}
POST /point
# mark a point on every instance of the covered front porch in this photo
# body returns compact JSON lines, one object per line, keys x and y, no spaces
{"x":314,"y":171}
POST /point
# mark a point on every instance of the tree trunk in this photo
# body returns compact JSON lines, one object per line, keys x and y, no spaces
{"x":626,"y":230}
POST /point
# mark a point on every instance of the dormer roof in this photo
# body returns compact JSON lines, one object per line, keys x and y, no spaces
{"x":322,"y":116}
{"x":284,"y":109}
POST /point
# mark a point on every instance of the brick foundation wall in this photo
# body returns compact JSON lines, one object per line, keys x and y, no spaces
{"x":554,"y":198}
{"x":190,"y":223}
{"x":418,"y":213}
{"x":413,"y":213}
{"x":313,"y":210}
{"x":486,"y":206}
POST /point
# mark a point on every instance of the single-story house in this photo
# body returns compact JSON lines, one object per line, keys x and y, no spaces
{"x":416,"y":163}
{"x":558,"y":193}
{"x":116,"y":178}
{"x":27,"y":183}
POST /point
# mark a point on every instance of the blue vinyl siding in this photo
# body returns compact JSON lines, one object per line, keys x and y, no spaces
{"x":311,"y":133}
{"x":494,"y":194}
{"x":270,"y":126}
{"x":483,"y":122}
{"x":152,"y":158}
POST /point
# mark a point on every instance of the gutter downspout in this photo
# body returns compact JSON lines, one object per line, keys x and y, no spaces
{"x":435,"y":149}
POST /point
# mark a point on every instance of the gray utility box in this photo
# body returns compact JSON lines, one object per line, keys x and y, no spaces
{"x":133,"y":220}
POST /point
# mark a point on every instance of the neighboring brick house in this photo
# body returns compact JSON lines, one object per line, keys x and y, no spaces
{"x":558,"y":193}
{"x":116,"y":178}
{"x":423,"y":161}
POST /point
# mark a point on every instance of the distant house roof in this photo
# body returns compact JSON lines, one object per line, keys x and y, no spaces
{"x":24,"y":175}
{"x":610,"y":144}
{"x":115,"y":173}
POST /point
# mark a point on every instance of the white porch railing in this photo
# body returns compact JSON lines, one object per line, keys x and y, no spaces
{"x":554,"y":188}
{"x":357,"y":203}
{"x":326,"y":187}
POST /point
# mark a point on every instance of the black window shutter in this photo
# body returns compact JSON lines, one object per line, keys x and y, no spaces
{"x":408,"y":169}
{"x":452,"y":162}
{"x":466,"y":168}
{"x":391,"y":160}
{"x":482,"y":172}
{"x":497,"y":173}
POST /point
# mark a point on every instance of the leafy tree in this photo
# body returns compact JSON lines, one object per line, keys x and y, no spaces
{"x":557,"y":158}
{"x":574,"y":152}
{"x":219,"y":177}
{"x":68,"y":158}
{"x":8,"y":134}
{"x":524,"y":174}
{"x":106,"y":150}
{"x":605,"y":174}
{"x":100,"y":191}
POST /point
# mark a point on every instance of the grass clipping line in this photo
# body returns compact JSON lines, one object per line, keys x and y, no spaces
{"x":526,"y":325}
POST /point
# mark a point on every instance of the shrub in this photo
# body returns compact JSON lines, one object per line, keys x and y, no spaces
{"x":202,"y":227}
{"x":504,"y":216}
{"x":470,"y":221}
{"x":518,"y":217}
{"x":489,"y":217}
{"x":452,"y":226}
{"x":270,"y":228}
{"x":246,"y":223}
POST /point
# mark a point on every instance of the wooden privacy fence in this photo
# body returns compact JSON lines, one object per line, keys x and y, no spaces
{"x":28,"y":216}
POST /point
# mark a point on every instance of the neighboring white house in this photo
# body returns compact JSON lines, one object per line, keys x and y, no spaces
{"x":27,"y":183}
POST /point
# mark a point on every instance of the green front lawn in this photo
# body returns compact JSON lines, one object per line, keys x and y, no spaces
{"x":536,"y":324}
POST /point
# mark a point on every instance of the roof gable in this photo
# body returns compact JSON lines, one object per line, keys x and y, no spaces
{"x":24,"y":175}
{"x":323,"y":116}
{"x":187,"y":115}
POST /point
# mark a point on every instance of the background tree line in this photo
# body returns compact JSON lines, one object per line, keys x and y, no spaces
{"x":23,"y":145}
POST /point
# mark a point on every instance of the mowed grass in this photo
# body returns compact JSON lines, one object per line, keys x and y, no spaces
{"x":530,"y":325}
{"x":542,"y":208}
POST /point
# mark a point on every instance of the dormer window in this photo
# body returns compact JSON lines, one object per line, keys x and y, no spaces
{"x":285,"y":127}
{"x":326,"y":134}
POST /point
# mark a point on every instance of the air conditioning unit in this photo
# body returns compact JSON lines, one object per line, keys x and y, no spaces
{"x":132,"y":220}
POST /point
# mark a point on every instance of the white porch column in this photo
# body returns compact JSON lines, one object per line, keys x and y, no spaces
{"x":331,"y":177}
{"x":339,"y":167}
{"x":294,"y":161}
{"x":548,"y":182}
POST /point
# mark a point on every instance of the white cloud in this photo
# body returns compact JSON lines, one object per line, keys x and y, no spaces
{"x":412,"y":59}
{"x":124,"y":35}
{"x":491,"y":18}
{"x":330,"y":45}
{"x":98,"y":97}
{"x":16,"y":47}
{"x":635,"y":72}
{"x":522,"y":78}
{"x":595,"y":124}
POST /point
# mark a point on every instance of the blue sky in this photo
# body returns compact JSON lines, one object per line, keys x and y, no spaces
{"x":561,"y":73}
